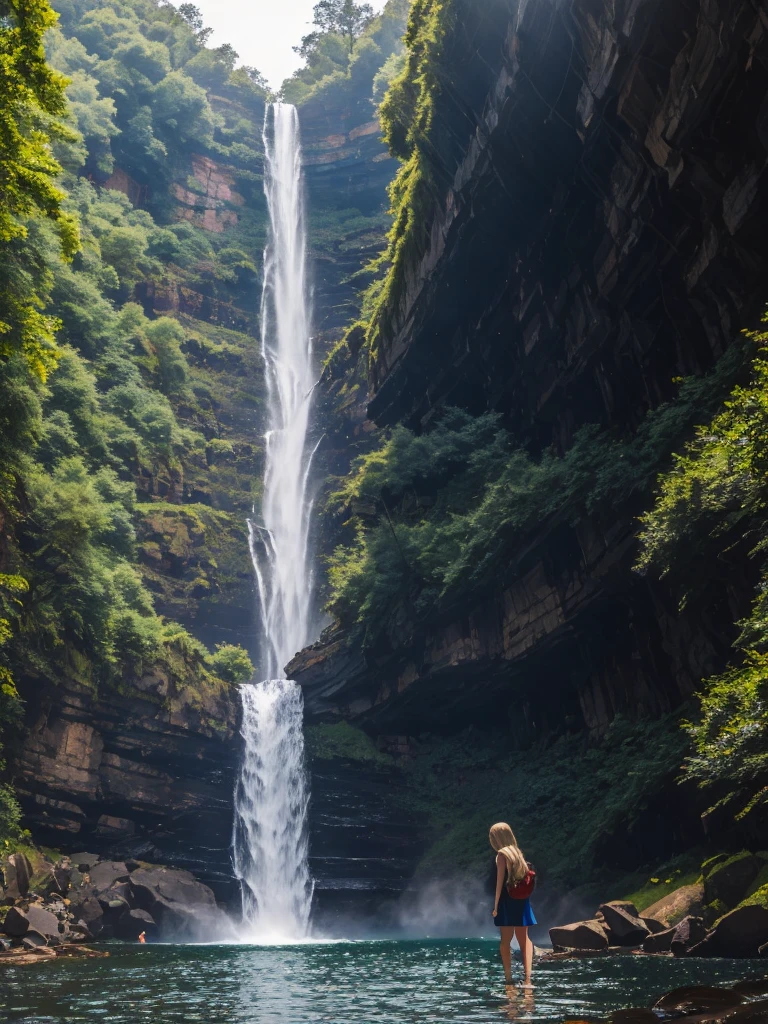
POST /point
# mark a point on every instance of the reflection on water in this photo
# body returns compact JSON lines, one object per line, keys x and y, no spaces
{"x":390,"y":982}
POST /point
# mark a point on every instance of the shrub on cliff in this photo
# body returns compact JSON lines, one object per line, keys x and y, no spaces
{"x":432,"y":518}
{"x":231,"y":663}
{"x":715,"y":500}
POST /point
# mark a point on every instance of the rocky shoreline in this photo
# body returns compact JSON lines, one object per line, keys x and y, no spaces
{"x":725,"y":914}
{"x":50,"y":907}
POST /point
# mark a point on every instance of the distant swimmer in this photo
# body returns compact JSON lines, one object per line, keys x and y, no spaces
{"x":512,"y":913}
{"x":143,"y":937}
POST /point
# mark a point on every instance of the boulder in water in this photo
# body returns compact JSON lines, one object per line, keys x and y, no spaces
{"x":727,"y":882}
{"x":91,"y":915}
{"x":688,"y":933}
{"x":698,"y":999}
{"x":623,"y":924}
{"x":659,"y":942}
{"x":176,"y":900}
{"x":653,"y":926}
{"x":34,"y":940}
{"x":589,"y":935}
{"x":739,"y":934}
{"x":43,"y":922}
{"x":16,"y":923}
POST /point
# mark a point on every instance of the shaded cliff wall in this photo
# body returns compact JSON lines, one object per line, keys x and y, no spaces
{"x":599,"y":235}
{"x":147,"y":772}
{"x":347,"y":170}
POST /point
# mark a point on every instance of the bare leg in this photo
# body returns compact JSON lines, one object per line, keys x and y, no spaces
{"x":506,"y":952}
{"x":526,"y":949}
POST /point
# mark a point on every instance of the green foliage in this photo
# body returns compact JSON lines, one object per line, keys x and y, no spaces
{"x":345,"y":18}
{"x":139,"y":72}
{"x":670,"y":876}
{"x":715,"y":499}
{"x":346,"y":53}
{"x":342,"y":740}
{"x":436,"y":516}
{"x":104,"y":409}
{"x":411,"y":131}
{"x":10,"y":815}
{"x":231,"y":663}
{"x":31,"y":106}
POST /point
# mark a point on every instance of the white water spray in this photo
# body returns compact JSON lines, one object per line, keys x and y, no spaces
{"x":270,"y":836}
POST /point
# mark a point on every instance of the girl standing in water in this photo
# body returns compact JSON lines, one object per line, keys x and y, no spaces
{"x":512,"y":913}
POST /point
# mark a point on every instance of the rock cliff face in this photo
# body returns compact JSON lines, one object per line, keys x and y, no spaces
{"x":347,"y":169}
{"x":599,"y":235}
{"x":148,"y":773}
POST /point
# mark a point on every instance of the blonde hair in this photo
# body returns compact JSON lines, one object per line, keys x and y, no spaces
{"x":503,"y":841}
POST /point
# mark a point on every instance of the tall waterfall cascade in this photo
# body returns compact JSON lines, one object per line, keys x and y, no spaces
{"x":270,"y":832}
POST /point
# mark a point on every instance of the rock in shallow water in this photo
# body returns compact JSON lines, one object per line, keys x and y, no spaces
{"x":623,"y":924}
{"x":581,"y":935}
{"x":738,"y":934}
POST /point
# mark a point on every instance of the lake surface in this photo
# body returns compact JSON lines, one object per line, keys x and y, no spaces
{"x":394,"y":982}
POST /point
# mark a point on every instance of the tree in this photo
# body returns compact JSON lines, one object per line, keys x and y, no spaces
{"x":344,"y":17}
{"x":31,"y":101}
{"x":192,"y":15}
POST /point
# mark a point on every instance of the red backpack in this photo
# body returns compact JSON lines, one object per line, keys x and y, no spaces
{"x":522,"y":890}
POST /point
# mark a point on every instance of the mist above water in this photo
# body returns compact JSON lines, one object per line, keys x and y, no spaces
{"x":270,"y":831}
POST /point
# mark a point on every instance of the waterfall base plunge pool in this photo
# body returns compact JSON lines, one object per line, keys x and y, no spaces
{"x":394,"y":982}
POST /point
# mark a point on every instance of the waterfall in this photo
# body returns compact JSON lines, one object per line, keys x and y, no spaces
{"x":270,"y":838}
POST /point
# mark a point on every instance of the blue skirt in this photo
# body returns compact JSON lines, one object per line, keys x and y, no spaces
{"x":514,"y":913}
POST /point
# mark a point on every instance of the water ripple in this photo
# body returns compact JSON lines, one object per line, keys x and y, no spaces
{"x":405,"y":982}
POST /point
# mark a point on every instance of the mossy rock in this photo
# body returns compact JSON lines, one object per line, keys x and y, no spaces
{"x":759,"y":898}
{"x":714,"y":911}
{"x":709,"y":865}
{"x":729,"y":881}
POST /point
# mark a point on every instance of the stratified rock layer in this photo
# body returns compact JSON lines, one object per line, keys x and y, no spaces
{"x":599,"y":236}
{"x":135,"y":774}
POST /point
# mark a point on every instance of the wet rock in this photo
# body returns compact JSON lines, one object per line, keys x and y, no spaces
{"x":581,"y":935}
{"x":43,"y":922}
{"x":175,"y":899}
{"x":728,"y":881}
{"x":106,"y":873}
{"x":623,"y":924}
{"x":659,"y":942}
{"x":50,"y":879}
{"x":84,"y":861}
{"x":34,"y":940}
{"x":653,"y":926}
{"x":91,"y":914}
{"x":17,"y":872}
{"x":16,"y":923}
{"x":672,"y":908}
{"x":739,"y":934}
{"x":753,"y":1013}
{"x":698,"y":999}
{"x":80,"y":932}
{"x":688,"y":933}
{"x":133,"y":923}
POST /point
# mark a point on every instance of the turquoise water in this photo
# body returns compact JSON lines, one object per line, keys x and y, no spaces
{"x":392,"y":982}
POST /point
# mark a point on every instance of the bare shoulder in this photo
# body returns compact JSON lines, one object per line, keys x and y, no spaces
{"x":500,"y":858}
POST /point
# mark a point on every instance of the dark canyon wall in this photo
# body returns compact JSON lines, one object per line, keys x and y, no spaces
{"x":599,"y":236}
